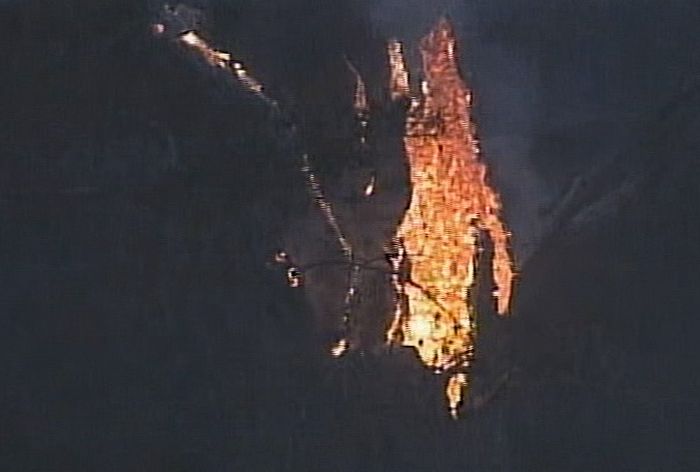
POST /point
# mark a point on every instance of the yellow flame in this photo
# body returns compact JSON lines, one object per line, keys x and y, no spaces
{"x":294,"y":277}
{"x":451,"y":203}
{"x":456,"y":385}
{"x":157,"y":28}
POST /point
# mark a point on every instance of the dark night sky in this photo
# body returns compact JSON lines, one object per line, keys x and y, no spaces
{"x":141,"y":196}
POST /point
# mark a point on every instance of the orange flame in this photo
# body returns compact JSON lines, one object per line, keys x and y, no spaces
{"x":435,"y":257}
{"x":451,"y":203}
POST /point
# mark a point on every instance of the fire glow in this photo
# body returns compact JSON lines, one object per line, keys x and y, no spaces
{"x":451,"y":204}
{"x":435,"y":256}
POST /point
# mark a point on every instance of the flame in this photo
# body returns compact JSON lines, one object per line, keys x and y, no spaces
{"x":435,"y":255}
{"x":398,"y":84}
{"x":451,"y":204}
{"x":455,"y":386}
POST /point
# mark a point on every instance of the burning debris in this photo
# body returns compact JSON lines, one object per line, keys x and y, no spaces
{"x":434,"y":258}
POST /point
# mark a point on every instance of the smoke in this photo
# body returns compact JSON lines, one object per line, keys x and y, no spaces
{"x":409,"y":19}
{"x":507,"y":95}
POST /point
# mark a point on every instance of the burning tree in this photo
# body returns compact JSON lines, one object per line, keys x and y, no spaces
{"x":451,"y":204}
{"x":435,"y":256}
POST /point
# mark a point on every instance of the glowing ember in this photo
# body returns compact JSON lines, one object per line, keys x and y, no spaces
{"x":438,"y":237}
{"x":339,"y":348}
{"x":158,"y":28}
{"x":399,"y":77}
{"x":281,"y":257}
{"x":455,"y":386}
{"x":222,"y":60}
{"x":369,"y":188}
